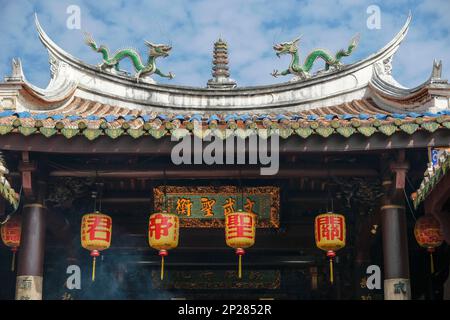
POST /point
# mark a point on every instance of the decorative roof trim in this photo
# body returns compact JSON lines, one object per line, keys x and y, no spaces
{"x":6,"y":191}
{"x":93,"y":126}
{"x":432,"y":176}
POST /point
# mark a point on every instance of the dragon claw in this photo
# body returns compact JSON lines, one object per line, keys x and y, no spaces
{"x":171,"y":75}
{"x":138,"y":75}
{"x":275,"y":73}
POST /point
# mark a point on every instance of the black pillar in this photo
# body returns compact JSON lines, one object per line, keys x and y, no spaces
{"x":395,"y":247}
{"x":31,"y":254}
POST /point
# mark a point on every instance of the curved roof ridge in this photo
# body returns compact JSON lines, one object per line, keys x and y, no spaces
{"x":388,"y":49}
{"x":346,"y":90}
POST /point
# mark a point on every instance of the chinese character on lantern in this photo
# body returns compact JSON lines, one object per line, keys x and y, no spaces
{"x":329,"y":230}
{"x":10,"y":233}
{"x":97,"y":228}
{"x":240,"y":229}
{"x":96,"y":231}
{"x":207,"y":206}
{"x":240,"y":226}
{"x":184,"y":206}
{"x":163,"y":231}
{"x":428,"y":235}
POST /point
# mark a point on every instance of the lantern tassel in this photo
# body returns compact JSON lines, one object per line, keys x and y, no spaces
{"x":162,"y":267}
{"x":162,"y":253}
{"x":13,"y":261}
{"x":240,"y":267}
{"x":331,"y":254}
{"x":431,"y":262}
{"x":93,"y":269}
{"x":240,"y":252}
{"x":331,"y":271}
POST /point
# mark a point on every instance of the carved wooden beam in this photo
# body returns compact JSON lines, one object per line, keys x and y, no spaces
{"x":217,"y":171}
{"x":292,"y":145}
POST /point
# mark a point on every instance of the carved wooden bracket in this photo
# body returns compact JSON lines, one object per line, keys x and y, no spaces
{"x":400,"y":168}
{"x":27,"y":167}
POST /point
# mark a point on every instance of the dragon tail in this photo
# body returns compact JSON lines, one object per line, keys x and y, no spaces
{"x":345,"y":53}
{"x":91,"y":43}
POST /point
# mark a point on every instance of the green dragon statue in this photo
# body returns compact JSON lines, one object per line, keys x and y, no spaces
{"x":302,"y":71}
{"x":110,"y":62}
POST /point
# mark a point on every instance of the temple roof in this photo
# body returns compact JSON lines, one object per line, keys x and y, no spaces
{"x":362,"y":97}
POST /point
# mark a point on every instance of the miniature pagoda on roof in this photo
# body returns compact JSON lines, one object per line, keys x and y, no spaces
{"x":350,"y":139}
{"x":220,"y":71}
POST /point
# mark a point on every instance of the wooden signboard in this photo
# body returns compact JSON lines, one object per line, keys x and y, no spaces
{"x":206,"y":206}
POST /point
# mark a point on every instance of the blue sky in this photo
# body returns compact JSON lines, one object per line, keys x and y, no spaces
{"x":250,"y":27}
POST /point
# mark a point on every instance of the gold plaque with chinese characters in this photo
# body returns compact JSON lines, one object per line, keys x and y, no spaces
{"x":203,"y":207}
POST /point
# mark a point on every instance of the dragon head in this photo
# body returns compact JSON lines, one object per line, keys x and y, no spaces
{"x":158,"y":50}
{"x":286,"y":47}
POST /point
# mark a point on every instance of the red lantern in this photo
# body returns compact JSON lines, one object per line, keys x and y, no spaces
{"x":163,"y":234}
{"x":96,"y":231}
{"x":329,"y":231}
{"x":240,"y":229}
{"x":428,"y":235}
{"x":11,"y":231}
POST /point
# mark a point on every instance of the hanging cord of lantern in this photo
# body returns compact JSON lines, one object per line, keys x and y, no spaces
{"x":409,"y":205}
{"x":330,"y":253}
{"x":241,"y":189}
{"x":430,"y":251}
{"x":431,"y":247}
{"x":165,"y":205}
{"x":96,"y":195}
{"x":407,"y":199}
{"x":240,"y":251}
{"x":94,"y":253}
{"x":164,"y":253}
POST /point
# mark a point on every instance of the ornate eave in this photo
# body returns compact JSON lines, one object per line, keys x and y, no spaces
{"x":7,"y":192}
{"x":93,"y":120}
{"x":432,"y":176}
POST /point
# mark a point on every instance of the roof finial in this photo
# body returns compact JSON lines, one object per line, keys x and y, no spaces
{"x":220,"y":71}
